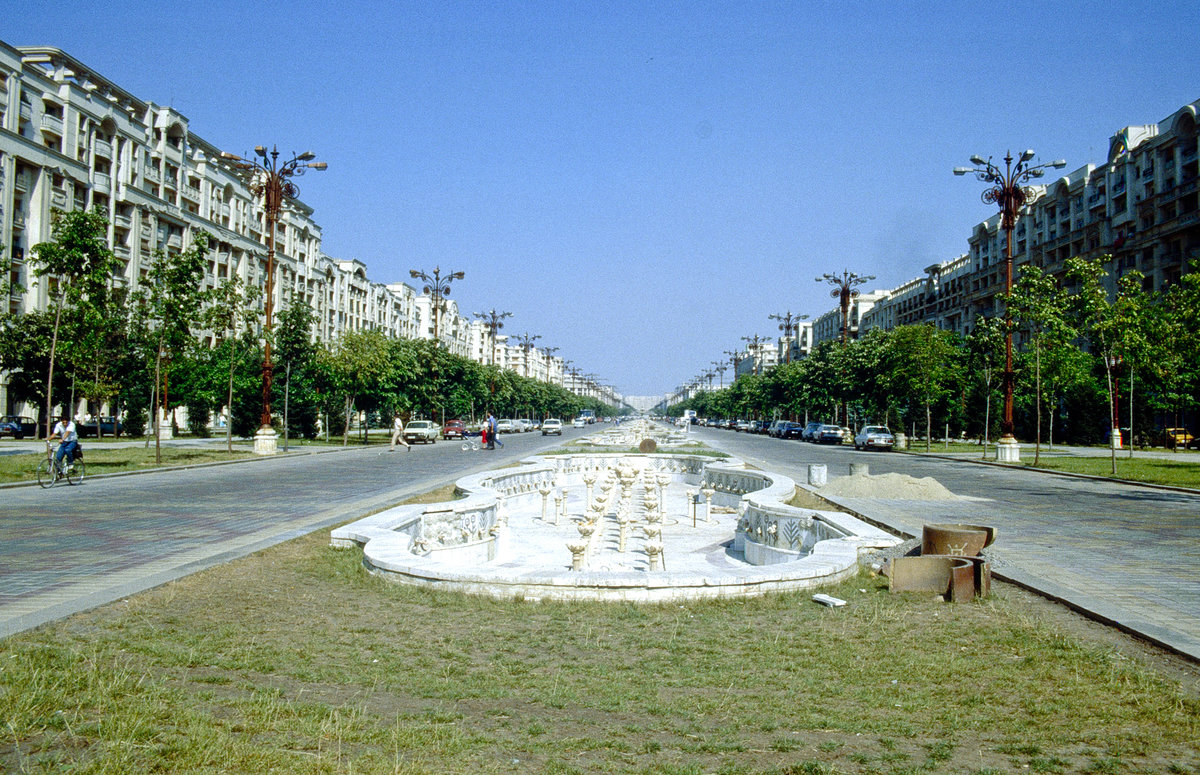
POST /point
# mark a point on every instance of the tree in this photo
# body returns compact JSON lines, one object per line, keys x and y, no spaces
{"x":355,"y":364}
{"x":231,"y":313}
{"x":296,"y":351}
{"x":78,"y":266}
{"x":1111,"y":323}
{"x":170,"y":306}
{"x":1037,"y":305}
{"x":985,"y":360}
{"x":924,"y":363}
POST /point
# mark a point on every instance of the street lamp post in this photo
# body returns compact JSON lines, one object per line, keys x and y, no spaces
{"x":526,"y":341}
{"x":1008,"y":192}
{"x":493,"y":321}
{"x":844,"y":291}
{"x":789,"y":324}
{"x":270,"y":179}
{"x":734,"y":357}
{"x":752,"y":347}
{"x":720,"y":368}
{"x":438,"y":288}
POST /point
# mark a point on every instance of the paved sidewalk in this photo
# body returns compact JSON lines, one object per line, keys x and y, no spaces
{"x":1125,"y":554}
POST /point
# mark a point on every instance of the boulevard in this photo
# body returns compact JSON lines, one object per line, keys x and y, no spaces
{"x":1125,"y":554}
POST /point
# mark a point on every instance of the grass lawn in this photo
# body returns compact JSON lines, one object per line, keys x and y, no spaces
{"x":1177,"y":473}
{"x":295,"y":660}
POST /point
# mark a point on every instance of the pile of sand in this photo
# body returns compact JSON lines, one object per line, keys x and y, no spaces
{"x":899,"y":486}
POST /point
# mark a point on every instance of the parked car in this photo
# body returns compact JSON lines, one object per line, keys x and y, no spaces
{"x":109,"y":426}
{"x":875,"y":437}
{"x":759,"y":426}
{"x":421,"y":430}
{"x":830,"y":434}
{"x":454,"y":429}
{"x":792,"y":430}
{"x":775,"y":427}
{"x":552,"y":426}
{"x":810,"y":431}
{"x":17,"y":427}
{"x":741,"y":426}
{"x":1176,"y":437}
{"x":505,"y":426}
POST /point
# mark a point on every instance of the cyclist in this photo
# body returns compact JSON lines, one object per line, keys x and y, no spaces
{"x":65,"y":429}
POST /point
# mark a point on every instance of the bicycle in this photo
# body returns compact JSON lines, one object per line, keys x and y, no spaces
{"x":50,"y":470}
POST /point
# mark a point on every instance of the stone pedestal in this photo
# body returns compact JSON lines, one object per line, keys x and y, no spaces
{"x":1008,"y":451}
{"x":266,"y":441}
{"x":818,"y":474}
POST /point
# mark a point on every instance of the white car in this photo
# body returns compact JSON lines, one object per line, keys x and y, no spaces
{"x":551,"y":426}
{"x":874,"y":437}
{"x":505,"y":426}
{"x":421,"y":430}
{"x":578,"y":422}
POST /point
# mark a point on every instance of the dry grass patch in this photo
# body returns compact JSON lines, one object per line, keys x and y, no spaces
{"x":296,"y":660}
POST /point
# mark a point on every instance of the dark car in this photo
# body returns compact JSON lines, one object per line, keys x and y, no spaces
{"x":810,"y":431}
{"x":454,"y":429}
{"x":830,"y":434}
{"x":109,"y":426}
{"x":791,"y":430}
{"x":17,"y":427}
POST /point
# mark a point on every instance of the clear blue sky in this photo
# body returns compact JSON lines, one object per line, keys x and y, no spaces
{"x":642,"y":183}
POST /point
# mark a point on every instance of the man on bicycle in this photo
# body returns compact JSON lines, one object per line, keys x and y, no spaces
{"x":65,"y":429}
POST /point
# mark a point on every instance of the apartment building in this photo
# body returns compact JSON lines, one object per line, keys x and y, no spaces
{"x":70,"y":139}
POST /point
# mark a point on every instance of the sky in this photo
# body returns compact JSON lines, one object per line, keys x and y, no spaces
{"x":642,"y":183}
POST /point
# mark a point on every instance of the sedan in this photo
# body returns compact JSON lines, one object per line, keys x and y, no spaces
{"x":421,"y":430}
{"x":810,"y":431}
{"x":791,"y":430}
{"x":454,"y":429}
{"x":17,"y":427}
{"x":551,"y":426}
{"x":109,"y":426}
{"x":830,"y":434}
{"x":874,"y":437}
{"x":578,"y":422}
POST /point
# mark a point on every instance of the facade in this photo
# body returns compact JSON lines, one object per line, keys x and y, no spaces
{"x":72,"y":140}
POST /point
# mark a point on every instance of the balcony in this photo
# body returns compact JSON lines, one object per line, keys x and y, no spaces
{"x":152,"y":173}
{"x":192,"y":194}
{"x":122,"y":221}
{"x":103,"y":148}
{"x":101,"y":183}
{"x":175,"y":241}
{"x":52,"y":124}
{"x":59,"y":198}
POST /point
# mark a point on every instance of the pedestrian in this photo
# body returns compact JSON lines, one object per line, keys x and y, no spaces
{"x":398,"y":435}
{"x":493,"y":432}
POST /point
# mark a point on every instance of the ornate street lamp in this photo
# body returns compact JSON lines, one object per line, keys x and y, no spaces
{"x":789,"y":325}
{"x":492,"y":320}
{"x":844,"y":292}
{"x":526,"y":341}
{"x":437,"y":288}
{"x":753,"y":345}
{"x":720,"y":368}
{"x":1008,"y":192}
{"x":734,"y":357}
{"x":269,"y":179}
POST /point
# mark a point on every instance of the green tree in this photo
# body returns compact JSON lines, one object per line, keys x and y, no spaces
{"x":355,"y":365}
{"x":1037,"y":306}
{"x":297,"y":351}
{"x":231,"y":314}
{"x":925,"y":364}
{"x":77,"y":266}
{"x":985,"y":362}
{"x":170,"y":305}
{"x":1111,"y":322}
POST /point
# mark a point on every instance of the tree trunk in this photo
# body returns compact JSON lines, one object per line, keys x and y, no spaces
{"x":229,"y":404}
{"x":50,"y":376}
{"x":346,"y":428}
{"x":157,"y":396}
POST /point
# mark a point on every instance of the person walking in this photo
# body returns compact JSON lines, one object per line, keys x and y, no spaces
{"x":493,"y":432}
{"x":398,"y":435}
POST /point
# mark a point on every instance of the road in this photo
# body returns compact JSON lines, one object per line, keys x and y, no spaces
{"x":71,"y":548}
{"x":1127,"y":554}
